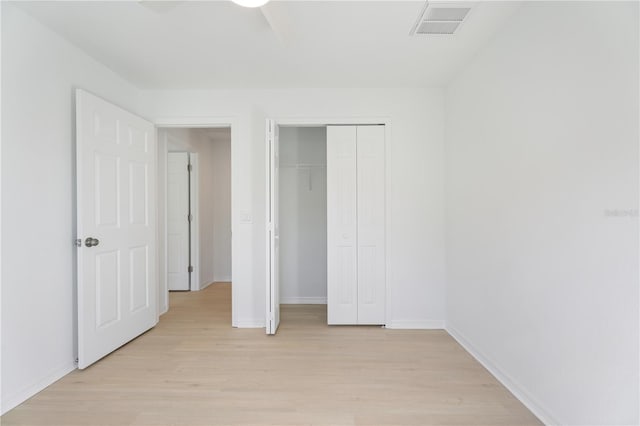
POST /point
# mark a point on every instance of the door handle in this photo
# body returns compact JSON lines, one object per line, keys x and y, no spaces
{"x":91,"y":242}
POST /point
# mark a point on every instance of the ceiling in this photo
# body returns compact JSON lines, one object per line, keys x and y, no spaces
{"x":286,"y":44}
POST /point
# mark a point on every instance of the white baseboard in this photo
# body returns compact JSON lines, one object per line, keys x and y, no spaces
{"x":303,"y":300}
{"x":222,"y":280}
{"x":416,"y":325}
{"x":205,"y":285}
{"x":250,"y":323}
{"x":507,"y":381}
{"x":13,"y":401}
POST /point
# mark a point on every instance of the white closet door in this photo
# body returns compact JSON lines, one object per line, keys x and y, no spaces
{"x":342,"y":287}
{"x":273,"y":229}
{"x":371,"y":215}
{"x":178,"y":221}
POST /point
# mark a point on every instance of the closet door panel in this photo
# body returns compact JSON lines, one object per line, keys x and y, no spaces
{"x":342,"y":261}
{"x":371,"y":224}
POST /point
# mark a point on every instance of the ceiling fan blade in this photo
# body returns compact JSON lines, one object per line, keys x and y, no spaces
{"x":276,"y":16}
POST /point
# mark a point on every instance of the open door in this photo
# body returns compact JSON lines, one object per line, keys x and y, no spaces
{"x":273,"y":231}
{"x":178,"y":222}
{"x":116,"y":199}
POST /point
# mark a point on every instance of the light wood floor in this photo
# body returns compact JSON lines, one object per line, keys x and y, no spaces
{"x":194,"y":369}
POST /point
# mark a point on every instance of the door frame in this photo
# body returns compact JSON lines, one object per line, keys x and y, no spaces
{"x":194,"y":225}
{"x":193,"y":123}
{"x":337,"y":121}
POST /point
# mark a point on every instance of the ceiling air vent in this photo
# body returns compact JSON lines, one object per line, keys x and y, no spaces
{"x":439,"y":19}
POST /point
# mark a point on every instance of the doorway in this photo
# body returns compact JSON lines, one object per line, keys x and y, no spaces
{"x":303,"y":215}
{"x":334,"y":239}
{"x":194,"y":167}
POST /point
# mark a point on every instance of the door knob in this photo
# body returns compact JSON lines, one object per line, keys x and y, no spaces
{"x":91,"y":242}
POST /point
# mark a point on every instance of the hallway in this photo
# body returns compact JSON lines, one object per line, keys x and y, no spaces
{"x":193,"y":368}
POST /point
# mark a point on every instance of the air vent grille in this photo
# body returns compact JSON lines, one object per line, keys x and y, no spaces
{"x":429,"y":27}
{"x":440,"y":19}
{"x":456,"y":14}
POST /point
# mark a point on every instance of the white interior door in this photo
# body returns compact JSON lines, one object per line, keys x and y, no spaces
{"x":273,"y":230}
{"x":371,"y":218}
{"x":116,"y":199}
{"x":178,"y":244}
{"x":342,"y":259}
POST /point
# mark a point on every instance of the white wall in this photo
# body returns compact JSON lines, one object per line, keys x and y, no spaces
{"x":39,"y":74}
{"x":221,"y":197}
{"x":303,"y":214}
{"x":415,"y":236}
{"x":542,"y":210}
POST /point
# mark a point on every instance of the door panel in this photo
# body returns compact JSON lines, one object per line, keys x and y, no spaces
{"x":115,"y":164}
{"x":139,"y":261}
{"x":138,"y":190}
{"x":371,"y":225}
{"x":273,"y":229}
{"x":107,"y":190}
{"x":108,"y":286}
{"x":342,"y":288}
{"x":178,"y":221}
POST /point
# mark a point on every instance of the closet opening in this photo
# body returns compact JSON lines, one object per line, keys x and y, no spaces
{"x":302,"y":207}
{"x":326,"y":216}
{"x":194,"y":212}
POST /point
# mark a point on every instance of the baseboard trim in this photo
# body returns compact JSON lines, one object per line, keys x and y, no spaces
{"x":303,"y":300}
{"x":507,"y":381}
{"x":13,"y":401}
{"x":205,"y":285}
{"x":416,"y":325}
{"x":250,"y":324}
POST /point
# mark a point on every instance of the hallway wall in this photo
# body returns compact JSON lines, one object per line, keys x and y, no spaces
{"x":221,"y":190}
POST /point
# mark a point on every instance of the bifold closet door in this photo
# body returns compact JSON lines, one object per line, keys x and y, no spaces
{"x":342,"y":288}
{"x":370,"y":220}
{"x":355,"y":225}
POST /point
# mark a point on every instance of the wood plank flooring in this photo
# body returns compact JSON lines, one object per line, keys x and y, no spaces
{"x":195,"y":369}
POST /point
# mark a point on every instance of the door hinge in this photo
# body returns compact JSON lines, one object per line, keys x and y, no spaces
{"x":76,"y":361}
{"x":190,"y":269}
{"x":189,"y":167}
{"x":190,"y":217}
{"x":77,"y":242}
